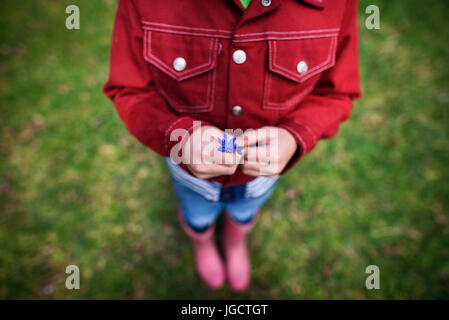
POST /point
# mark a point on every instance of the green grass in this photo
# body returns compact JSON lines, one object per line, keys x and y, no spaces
{"x":75,"y":188}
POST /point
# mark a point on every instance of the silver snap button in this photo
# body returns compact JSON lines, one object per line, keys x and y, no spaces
{"x":266,"y":3}
{"x":236,"y":111}
{"x":239,"y":56}
{"x":179,"y":64}
{"x":302,"y":67}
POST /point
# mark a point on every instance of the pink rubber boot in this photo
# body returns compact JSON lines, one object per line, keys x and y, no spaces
{"x":238,"y":265}
{"x":208,"y":261}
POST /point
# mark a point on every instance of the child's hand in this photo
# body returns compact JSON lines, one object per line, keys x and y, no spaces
{"x":202,"y":157}
{"x":274,"y":149}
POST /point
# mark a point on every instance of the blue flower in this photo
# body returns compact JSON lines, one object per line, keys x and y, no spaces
{"x":227,"y":145}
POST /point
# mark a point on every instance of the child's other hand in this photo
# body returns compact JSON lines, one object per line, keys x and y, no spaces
{"x":274,"y":149}
{"x":202,"y":157}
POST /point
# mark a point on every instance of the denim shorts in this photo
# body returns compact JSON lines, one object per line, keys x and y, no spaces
{"x":200,"y":212}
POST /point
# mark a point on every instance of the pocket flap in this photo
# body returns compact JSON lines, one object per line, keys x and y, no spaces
{"x":180,"y":56}
{"x":301,"y":59}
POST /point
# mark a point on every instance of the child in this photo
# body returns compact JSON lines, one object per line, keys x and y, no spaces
{"x":276,"y":75}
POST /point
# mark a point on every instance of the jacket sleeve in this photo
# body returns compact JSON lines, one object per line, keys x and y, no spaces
{"x":130,"y":86}
{"x":319,"y":115}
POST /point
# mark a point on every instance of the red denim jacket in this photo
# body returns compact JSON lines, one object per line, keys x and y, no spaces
{"x":299,"y":68}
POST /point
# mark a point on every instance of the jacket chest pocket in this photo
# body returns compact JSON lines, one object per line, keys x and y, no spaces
{"x":184,"y":68}
{"x":292,"y":67}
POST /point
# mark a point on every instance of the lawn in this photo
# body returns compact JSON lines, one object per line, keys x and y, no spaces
{"x":76,"y":188}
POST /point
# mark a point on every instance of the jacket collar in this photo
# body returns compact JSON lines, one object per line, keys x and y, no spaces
{"x":255,"y":10}
{"x":316,"y":3}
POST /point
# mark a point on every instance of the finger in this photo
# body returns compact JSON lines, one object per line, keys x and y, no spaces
{"x":268,"y":168}
{"x":216,"y":155}
{"x":248,"y":138}
{"x":258,"y":172}
{"x":252,"y":143}
{"x":231,"y":159}
{"x":254,"y":155}
{"x":254,"y":166}
{"x":205,"y":171}
{"x":262,"y":154}
{"x":212,"y":155}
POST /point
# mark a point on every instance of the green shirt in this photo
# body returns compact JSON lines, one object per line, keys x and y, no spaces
{"x":245,"y":3}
